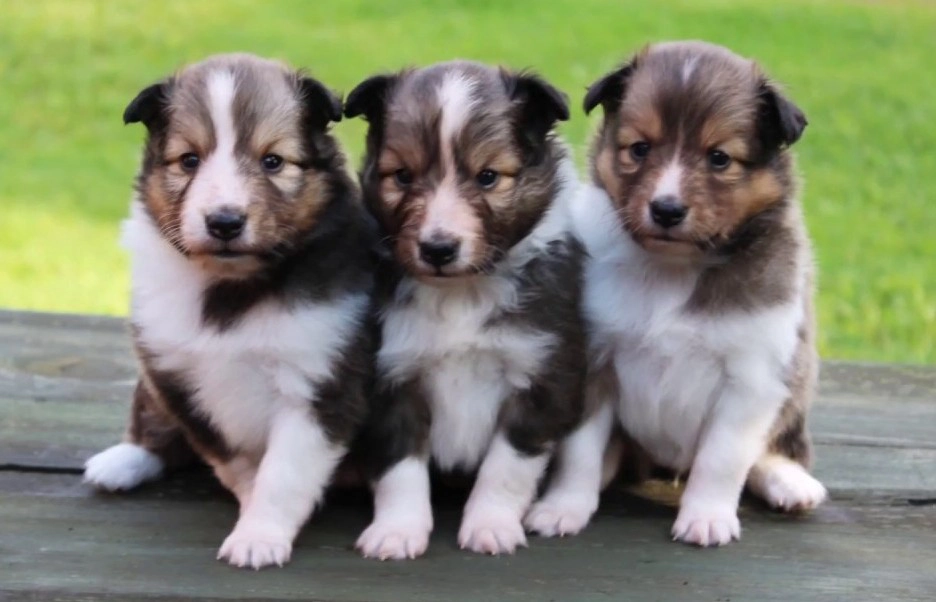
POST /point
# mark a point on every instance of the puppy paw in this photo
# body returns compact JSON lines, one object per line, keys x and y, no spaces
{"x":560,"y":515}
{"x":121,"y":467}
{"x":707,"y":524}
{"x":494,"y":532}
{"x":394,"y":540}
{"x":790,"y":488}
{"x":253,"y":547}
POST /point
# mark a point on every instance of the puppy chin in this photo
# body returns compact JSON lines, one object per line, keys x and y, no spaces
{"x":224,"y":262}
{"x":228,"y":266}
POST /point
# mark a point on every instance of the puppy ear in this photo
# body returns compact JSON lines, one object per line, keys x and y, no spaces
{"x":541,"y":104}
{"x":321,"y":104}
{"x":609,"y":90}
{"x":781,"y":123}
{"x":149,"y":106}
{"x":369,"y":97}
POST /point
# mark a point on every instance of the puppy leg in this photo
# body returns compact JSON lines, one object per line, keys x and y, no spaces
{"x":735,"y":439}
{"x":238,"y":475}
{"x":574,"y":489}
{"x":402,"y":513}
{"x":290,"y":482}
{"x":785,"y":484}
{"x":153,"y":443}
{"x":505,"y":486}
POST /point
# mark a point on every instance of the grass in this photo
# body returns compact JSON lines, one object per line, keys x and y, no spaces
{"x":862,"y":71}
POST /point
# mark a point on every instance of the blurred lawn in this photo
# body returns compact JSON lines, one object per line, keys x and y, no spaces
{"x":863,"y":72}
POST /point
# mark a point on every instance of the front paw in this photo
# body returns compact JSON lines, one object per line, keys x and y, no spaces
{"x":491,"y":531}
{"x":255,"y":547}
{"x":707,"y":524}
{"x":394,"y":540}
{"x":560,"y":515}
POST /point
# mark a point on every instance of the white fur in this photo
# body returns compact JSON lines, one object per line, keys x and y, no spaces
{"x":246,"y":373}
{"x":447,"y":215}
{"x":456,"y":99}
{"x":785,"y":484}
{"x":121,"y":467}
{"x":403,"y":513}
{"x":218,"y":182}
{"x":670,"y":181}
{"x":688,"y":68}
{"x":502,"y":493}
{"x":468,"y":366}
{"x":253,"y":383}
{"x":572,"y":495}
{"x":442,"y":334}
{"x":289,"y":483}
{"x":697,"y":391}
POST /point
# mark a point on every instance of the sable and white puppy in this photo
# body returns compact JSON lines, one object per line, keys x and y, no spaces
{"x":482,"y":356}
{"x":699,"y":287}
{"x":251,"y":285}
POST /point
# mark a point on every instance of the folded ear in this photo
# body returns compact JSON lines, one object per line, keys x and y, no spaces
{"x":609,"y":90}
{"x":322,"y":106}
{"x":369,"y":97}
{"x":541,"y":104}
{"x":149,"y":106}
{"x":781,"y":123}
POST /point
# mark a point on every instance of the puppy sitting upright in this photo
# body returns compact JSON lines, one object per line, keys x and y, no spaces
{"x":699,"y":290}
{"x":482,"y":357}
{"x":251,"y":284}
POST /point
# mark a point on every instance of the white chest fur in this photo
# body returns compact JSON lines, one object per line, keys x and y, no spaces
{"x":467,"y":366}
{"x":673,"y":366}
{"x":274,"y":357}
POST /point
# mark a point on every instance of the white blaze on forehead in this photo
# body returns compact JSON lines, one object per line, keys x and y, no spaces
{"x":217,"y":181}
{"x":447,"y":213}
{"x":688,"y":67}
{"x":670,"y":180}
{"x":456,"y":100}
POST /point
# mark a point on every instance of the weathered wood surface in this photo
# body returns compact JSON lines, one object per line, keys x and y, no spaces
{"x":64,"y":386}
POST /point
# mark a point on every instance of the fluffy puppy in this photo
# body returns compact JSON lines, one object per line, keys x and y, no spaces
{"x":251,"y":259}
{"x":482,"y":352}
{"x":699,"y":287}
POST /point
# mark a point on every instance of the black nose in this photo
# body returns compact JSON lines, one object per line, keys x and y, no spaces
{"x":667,"y":211}
{"x":438,"y":252}
{"x":225,"y":224}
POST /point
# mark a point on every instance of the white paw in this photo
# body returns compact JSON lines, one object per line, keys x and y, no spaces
{"x":122,"y":466}
{"x":394,"y":540}
{"x":707,"y":524}
{"x":561,"y":515}
{"x":491,"y":531}
{"x":790,"y":488}
{"x":255,"y":547}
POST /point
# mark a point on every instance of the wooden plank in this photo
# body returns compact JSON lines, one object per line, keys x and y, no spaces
{"x":65,"y":382}
{"x":160,"y":544}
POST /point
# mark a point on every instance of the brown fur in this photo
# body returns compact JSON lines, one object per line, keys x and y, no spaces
{"x":744,"y":224}
{"x":270,"y":101}
{"x":407,"y":138}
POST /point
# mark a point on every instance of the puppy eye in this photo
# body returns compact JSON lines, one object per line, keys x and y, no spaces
{"x":403,"y":177}
{"x":189,"y":161}
{"x":718,"y":160}
{"x":639,"y":151}
{"x":487,"y":178}
{"x":271,"y":163}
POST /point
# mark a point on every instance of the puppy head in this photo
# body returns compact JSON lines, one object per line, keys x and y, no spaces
{"x":238,"y":164}
{"x":693,"y":146}
{"x":461,"y":163}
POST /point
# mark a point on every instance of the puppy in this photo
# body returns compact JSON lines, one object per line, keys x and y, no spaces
{"x":699,"y":287}
{"x":482,"y":353}
{"x":251,"y":285}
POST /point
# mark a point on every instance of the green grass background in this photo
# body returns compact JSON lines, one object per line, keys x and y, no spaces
{"x":864,"y":72}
